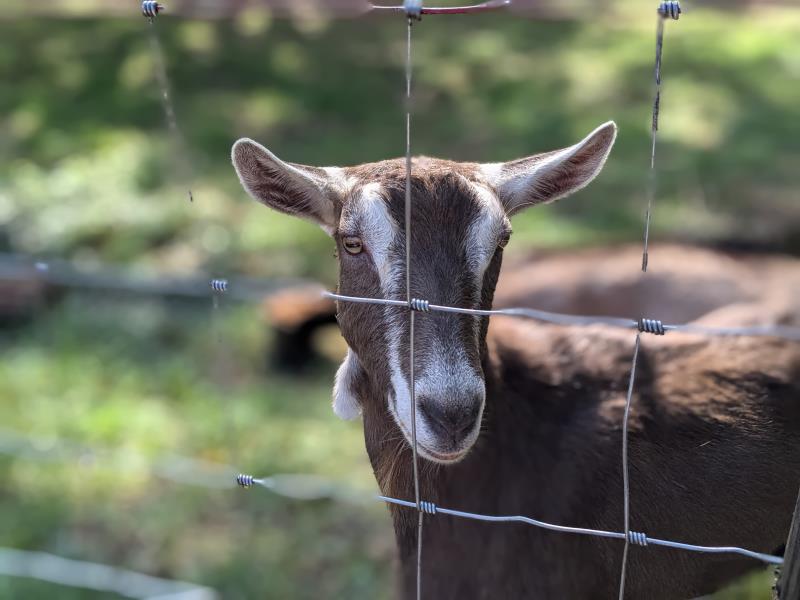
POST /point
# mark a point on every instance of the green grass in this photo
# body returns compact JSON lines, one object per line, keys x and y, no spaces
{"x":87,"y":374}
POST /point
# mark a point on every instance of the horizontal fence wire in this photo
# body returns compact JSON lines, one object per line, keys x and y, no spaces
{"x":634,"y":537}
{"x":39,"y":274}
{"x":414,"y":10}
{"x":122,"y":582}
{"x":295,"y":9}
{"x":644,"y":325}
{"x":170,"y":467}
{"x":104,"y":579}
{"x":429,"y":508}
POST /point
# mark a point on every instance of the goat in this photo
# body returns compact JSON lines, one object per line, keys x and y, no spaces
{"x":523,"y":418}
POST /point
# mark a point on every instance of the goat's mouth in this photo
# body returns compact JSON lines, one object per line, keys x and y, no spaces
{"x":444,"y":458}
{"x":451,"y":455}
{"x":435,"y":455}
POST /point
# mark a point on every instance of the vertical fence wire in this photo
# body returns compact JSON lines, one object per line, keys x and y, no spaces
{"x":625,"y":479}
{"x":422,"y":507}
{"x":643,"y":325}
{"x":651,"y":183}
{"x":665,"y":10}
{"x":162,"y":79}
{"x":411,"y":313}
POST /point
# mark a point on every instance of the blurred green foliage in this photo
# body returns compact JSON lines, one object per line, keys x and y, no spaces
{"x":88,"y":172}
{"x":87,"y":168}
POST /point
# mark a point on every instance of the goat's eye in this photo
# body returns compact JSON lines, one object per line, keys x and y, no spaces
{"x":503,"y":240}
{"x":352,"y":244}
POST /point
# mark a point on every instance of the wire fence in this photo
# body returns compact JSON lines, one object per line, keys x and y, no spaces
{"x":98,"y":577}
{"x":173,"y":468}
{"x":643,"y":325}
{"x":413,"y":11}
{"x":215,"y":9}
{"x":20,"y":270}
{"x":186,"y":470}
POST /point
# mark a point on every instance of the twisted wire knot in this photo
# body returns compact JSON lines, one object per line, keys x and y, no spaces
{"x":219,"y":285}
{"x":419,"y":305}
{"x":670,"y":10}
{"x":245,"y":481}
{"x":413,"y":9}
{"x":638,"y":538}
{"x":427,"y":507}
{"x":151,"y":8}
{"x":651,"y":326}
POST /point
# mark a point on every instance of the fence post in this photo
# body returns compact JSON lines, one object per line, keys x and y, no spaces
{"x":788,"y":586}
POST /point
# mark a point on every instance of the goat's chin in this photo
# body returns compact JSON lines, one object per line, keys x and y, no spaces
{"x":442,"y":459}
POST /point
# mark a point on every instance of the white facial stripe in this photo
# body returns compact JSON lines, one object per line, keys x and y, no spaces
{"x":371,"y":219}
{"x":444,"y":380}
{"x":448,"y":376}
{"x":482,"y":238}
{"x":484,"y":231}
{"x":377,"y":229}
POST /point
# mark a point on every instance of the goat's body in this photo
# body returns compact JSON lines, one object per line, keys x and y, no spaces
{"x":714,"y":460}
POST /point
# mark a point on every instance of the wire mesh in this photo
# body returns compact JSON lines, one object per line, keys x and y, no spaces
{"x":643,"y":325}
{"x":413,"y":305}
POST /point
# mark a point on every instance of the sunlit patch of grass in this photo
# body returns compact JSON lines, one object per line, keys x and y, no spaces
{"x":754,"y":587}
{"x":199,"y":37}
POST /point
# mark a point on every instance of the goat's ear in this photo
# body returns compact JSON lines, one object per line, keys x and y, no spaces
{"x":547,"y":177}
{"x":345,"y":403}
{"x":312,"y":193}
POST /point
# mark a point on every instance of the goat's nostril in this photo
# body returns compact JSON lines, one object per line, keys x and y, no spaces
{"x":466,"y":428}
{"x":451,"y":420}
{"x":464,"y":422}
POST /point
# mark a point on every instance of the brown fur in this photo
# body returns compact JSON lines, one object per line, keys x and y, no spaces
{"x":714,"y":432}
{"x":715,"y":456}
{"x":685,"y":284}
{"x":714,"y":459}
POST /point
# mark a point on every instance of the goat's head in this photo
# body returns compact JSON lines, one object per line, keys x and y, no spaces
{"x":460,"y":224}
